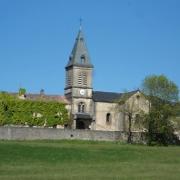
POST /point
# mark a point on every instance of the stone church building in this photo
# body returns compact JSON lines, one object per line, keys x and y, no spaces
{"x":96,"y":110}
{"x":89,"y":109}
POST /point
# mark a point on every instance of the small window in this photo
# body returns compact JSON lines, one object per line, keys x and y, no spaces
{"x":81,"y":107}
{"x":83,"y":59}
{"x":108,"y":118}
{"x":138,"y":97}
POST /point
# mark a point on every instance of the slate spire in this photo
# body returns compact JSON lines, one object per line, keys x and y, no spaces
{"x":79,"y":55}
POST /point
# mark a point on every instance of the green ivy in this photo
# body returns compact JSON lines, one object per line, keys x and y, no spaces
{"x":32,"y":113}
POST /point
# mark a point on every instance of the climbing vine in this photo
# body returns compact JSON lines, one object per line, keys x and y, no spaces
{"x":32,"y":113}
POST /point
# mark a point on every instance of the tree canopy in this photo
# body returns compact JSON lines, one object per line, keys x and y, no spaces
{"x":160,"y":87}
{"x":163,"y":96}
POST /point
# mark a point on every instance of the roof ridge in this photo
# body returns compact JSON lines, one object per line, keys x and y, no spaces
{"x":108,"y":92}
{"x":118,"y":92}
{"x":109,"y":97}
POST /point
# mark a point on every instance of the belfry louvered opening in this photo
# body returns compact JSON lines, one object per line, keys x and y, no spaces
{"x":68,"y":79}
{"x":82,"y":79}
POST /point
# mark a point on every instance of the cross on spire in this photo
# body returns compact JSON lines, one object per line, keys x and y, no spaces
{"x":80,"y":23}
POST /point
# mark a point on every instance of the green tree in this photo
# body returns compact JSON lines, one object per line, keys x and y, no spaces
{"x":22,"y":91}
{"x":160,"y":87}
{"x":162,"y":94}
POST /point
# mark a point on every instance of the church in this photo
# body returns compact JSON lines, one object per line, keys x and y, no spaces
{"x":96,"y":110}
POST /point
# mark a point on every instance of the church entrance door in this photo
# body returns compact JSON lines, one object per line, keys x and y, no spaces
{"x":80,"y":124}
{"x":83,"y":123}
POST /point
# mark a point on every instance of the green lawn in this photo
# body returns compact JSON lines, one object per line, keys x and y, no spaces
{"x":49,"y":160}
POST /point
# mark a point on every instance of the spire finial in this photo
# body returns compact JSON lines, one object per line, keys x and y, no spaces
{"x":80,"y":23}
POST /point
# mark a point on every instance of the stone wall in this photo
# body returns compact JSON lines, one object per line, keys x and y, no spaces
{"x":26,"y":133}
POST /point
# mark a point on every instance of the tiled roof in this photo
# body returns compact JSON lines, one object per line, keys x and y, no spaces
{"x":109,"y":97}
{"x":45,"y":97}
{"x":98,"y":96}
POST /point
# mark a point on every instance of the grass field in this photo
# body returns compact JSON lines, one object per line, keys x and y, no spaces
{"x":56,"y":160}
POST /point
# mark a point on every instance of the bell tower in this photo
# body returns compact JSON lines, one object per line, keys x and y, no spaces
{"x":78,"y":88}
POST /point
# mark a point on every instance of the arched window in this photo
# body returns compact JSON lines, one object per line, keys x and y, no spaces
{"x":81,"y":107}
{"x":108,"y":118}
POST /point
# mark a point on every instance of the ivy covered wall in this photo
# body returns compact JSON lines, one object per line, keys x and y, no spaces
{"x":30,"y":112}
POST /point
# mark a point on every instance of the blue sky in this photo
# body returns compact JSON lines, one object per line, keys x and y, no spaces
{"x":127,"y":40}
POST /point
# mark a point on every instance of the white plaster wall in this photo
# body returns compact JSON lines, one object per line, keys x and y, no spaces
{"x":119,"y":121}
{"x":101,"y":110}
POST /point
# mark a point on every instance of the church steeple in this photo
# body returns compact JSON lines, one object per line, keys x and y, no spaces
{"x":79,"y":56}
{"x":78,"y":88}
{"x":79,"y":70}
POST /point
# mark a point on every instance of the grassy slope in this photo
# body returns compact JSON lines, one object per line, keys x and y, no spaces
{"x":49,"y":160}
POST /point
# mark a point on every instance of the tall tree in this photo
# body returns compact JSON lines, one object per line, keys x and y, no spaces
{"x":160,"y":87}
{"x":162,"y":94}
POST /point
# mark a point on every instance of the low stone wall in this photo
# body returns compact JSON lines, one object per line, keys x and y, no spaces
{"x":177,"y":133}
{"x":26,"y":133}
